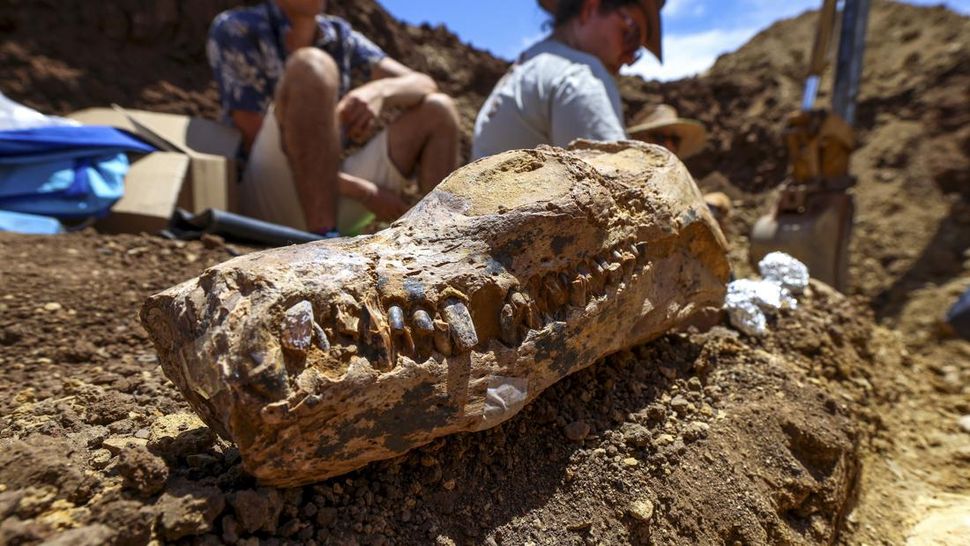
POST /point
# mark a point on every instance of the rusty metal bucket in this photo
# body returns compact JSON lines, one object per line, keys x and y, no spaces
{"x":814,"y":227}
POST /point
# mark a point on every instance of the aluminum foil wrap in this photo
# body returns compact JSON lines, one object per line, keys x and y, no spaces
{"x":748,"y":300}
{"x":784,"y":270}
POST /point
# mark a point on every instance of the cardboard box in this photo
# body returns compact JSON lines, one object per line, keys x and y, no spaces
{"x":208,"y":181}
{"x":152,"y":189}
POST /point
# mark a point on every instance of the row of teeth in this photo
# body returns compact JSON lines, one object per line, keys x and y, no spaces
{"x":556,"y":292}
{"x":452,"y":331}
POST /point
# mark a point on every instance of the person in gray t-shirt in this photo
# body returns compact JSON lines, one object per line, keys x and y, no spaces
{"x":564,"y":87}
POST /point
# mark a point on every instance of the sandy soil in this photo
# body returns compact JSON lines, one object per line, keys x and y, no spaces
{"x":841,"y":426}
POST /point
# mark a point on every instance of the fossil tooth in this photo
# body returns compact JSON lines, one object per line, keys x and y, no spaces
{"x":555,"y":294}
{"x":600,"y":266}
{"x":564,"y":283}
{"x":442,"y":338}
{"x":422,"y":321}
{"x":598,"y":277}
{"x":577,"y":292}
{"x":634,"y":250}
{"x":297,"y":331}
{"x":460,"y":323}
{"x":641,"y":250}
{"x":519,"y":302}
{"x":617,"y":256}
{"x":320,"y":338}
{"x":531,"y":312}
{"x":409,"y":345}
{"x":508,"y":325}
{"x":395,"y":316}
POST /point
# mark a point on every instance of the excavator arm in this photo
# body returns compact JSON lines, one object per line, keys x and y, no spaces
{"x":812,"y":218}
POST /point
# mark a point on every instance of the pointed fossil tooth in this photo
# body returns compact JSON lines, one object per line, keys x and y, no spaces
{"x":442,"y":338}
{"x":297,"y":331}
{"x":634,"y":250}
{"x":508,"y":325}
{"x":617,"y":256}
{"x":320,"y":338}
{"x":395,"y":316}
{"x":600,"y":266}
{"x":554,"y":291}
{"x":520,"y":303}
{"x":564,"y":284}
{"x":422,"y":321}
{"x":460,"y":323}
{"x":532,"y":317}
{"x":577,"y":292}
{"x":409,"y":345}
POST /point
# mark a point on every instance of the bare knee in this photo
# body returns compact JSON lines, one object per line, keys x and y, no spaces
{"x":310,"y":69}
{"x":439,"y":110}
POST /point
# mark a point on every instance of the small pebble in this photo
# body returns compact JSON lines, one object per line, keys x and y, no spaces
{"x":641,"y":510}
{"x":577,"y":431}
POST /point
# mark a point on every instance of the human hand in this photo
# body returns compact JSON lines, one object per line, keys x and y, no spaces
{"x":357,"y":111}
{"x":385,"y":204}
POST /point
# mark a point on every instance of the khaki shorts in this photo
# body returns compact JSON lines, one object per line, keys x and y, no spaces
{"x":268,"y":192}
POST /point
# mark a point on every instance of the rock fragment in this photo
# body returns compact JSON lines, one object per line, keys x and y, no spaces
{"x":577,"y":431}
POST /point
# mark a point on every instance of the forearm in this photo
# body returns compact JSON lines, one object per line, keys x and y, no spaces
{"x":385,"y":204}
{"x":402,"y":91}
{"x":356,"y":188}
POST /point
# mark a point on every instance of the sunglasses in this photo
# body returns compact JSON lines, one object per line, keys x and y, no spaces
{"x":632,"y":35}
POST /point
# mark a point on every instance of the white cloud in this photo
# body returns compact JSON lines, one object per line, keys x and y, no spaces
{"x":675,"y":9}
{"x":689,"y":54}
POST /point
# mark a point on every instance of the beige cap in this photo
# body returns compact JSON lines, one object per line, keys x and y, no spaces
{"x":650,"y":7}
{"x":664,"y":119}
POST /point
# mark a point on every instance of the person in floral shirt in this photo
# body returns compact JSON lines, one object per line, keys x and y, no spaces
{"x":283,"y":70}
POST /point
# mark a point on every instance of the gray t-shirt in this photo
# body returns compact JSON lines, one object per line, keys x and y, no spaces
{"x":552,"y":95}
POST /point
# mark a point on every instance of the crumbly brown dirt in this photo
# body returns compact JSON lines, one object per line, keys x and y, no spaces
{"x":840,"y":426}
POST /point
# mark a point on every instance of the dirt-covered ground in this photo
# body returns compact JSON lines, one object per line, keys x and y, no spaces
{"x":841,"y":426}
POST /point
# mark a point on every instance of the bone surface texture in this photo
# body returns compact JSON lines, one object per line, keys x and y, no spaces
{"x":518,"y":270}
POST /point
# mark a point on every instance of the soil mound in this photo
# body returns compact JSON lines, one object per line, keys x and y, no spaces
{"x":710,"y":438}
{"x":703,"y":438}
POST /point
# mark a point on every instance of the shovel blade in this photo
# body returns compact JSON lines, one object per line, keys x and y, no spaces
{"x":818,"y":236}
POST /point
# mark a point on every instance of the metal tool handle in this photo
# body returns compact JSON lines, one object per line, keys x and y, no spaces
{"x":823,"y":37}
{"x":848,"y":68}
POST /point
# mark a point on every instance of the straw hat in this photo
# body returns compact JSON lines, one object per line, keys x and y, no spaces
{"x":650,"y":7}
{"x":664,"y":119}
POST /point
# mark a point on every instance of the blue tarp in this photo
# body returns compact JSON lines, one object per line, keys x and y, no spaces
{"x":29,"y":223}
{"x":64,"y":172}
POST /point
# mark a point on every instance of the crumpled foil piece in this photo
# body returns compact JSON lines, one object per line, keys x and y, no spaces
{"x":784,"y":270}
{"x":748,"y":300}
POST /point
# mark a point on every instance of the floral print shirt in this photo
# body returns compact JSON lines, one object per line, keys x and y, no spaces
{"x":247,"y":54}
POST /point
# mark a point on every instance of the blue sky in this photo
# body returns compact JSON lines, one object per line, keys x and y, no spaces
{"x":695,"y":31}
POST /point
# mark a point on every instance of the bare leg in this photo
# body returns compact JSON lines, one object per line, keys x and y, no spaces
{"x":426,"y":136}
{"x":306,"y":101}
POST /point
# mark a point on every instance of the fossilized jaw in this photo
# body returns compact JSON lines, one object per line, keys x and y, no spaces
{"x":390,"y":340}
